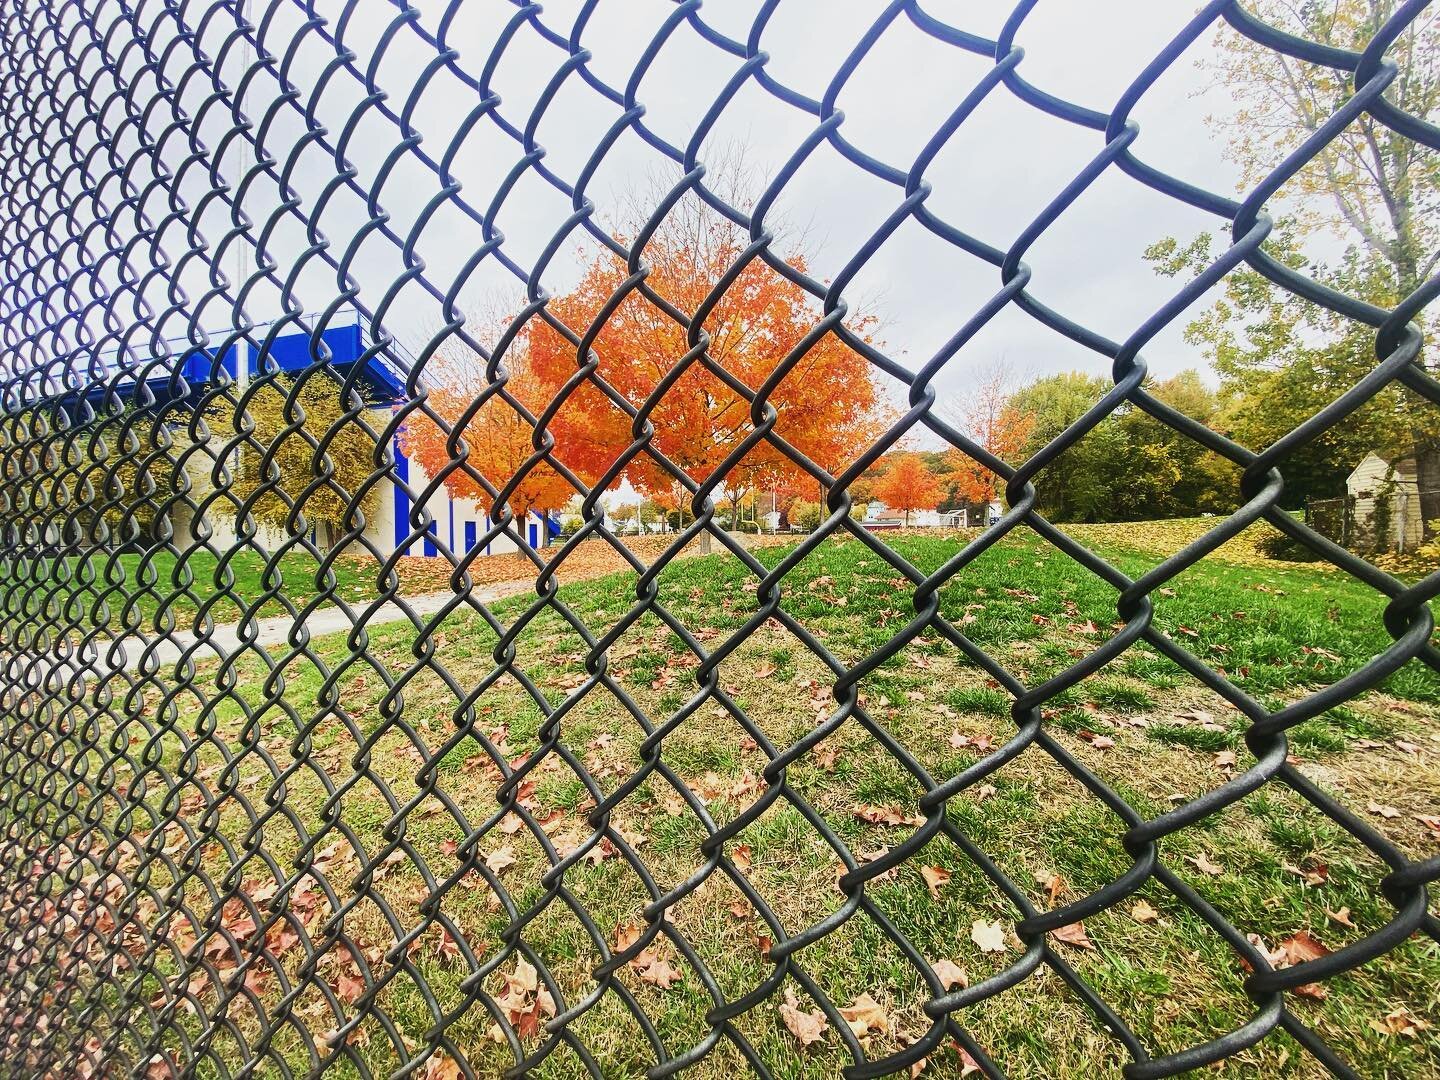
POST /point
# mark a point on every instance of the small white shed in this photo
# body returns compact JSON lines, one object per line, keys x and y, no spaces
{"x":1386,"y":494}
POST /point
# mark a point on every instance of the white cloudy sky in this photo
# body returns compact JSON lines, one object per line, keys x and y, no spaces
{"x":992,"y":178}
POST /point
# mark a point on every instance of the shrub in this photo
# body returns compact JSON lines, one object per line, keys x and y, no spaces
{"x":805,"y":515}
{"x":1278,"y":545}
{"x":570,"y":525}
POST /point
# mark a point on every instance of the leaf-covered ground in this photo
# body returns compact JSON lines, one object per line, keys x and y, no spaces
{"x":1271,"y":864}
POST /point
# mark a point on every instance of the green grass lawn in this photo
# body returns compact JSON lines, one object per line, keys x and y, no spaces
{"x":117,"y":591}
{"x":1271,"y":864}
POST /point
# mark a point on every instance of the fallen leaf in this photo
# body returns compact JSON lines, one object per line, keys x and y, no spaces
{"x":500,"y":859}
{"x":658,"y":972}
{"x":442,"y":1067}
{"x":1202,"y":863}
{"x":1381,"y":810}
{"x":1342,"y":916}
{"x":950,"y":974}
{"x":863,"y":1014}
{"x":807,"y":1026}
{"x":1143,"y":912}
{"x":1073,"y":934}
{"x":988,"y":936}
{"x":935,"y":877}
{"x":1303,"y":946}
{"x":1400,"y":1021}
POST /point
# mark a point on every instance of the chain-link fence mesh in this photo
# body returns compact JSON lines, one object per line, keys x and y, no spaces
{"x":269,"y":815}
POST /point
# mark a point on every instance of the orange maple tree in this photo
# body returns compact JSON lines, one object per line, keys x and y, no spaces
{"x":996,"y":426}
{"x":498,"y":437}
{"x":826,"y":404}
{"x":908,"y":485}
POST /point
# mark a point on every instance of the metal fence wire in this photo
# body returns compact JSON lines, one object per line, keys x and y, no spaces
{"x":170,"y":908}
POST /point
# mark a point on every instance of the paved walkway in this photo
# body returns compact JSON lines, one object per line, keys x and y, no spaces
{"x":225,"y":639}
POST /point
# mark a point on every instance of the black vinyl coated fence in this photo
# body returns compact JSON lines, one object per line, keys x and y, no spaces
{"x":169,"y":906}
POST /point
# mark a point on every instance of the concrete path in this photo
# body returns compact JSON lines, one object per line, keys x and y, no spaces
{"x":223,"y":640}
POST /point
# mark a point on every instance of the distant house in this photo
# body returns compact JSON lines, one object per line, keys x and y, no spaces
{"x":456,"y":523}
{"x":880,"y":516}
{"x":1385,"y":495}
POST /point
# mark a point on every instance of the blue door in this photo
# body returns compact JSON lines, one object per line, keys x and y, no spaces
{"x":469,"y":536}
{"x":429,"y":542}
{"x":534,"y":536}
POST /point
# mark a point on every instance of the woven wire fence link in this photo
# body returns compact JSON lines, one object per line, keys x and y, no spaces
{"x":233,"y":848}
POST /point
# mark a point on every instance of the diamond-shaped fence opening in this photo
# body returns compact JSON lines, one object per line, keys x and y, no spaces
{"x":407,"y":672}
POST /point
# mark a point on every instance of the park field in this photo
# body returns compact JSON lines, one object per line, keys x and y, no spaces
{"x":389,"y":763}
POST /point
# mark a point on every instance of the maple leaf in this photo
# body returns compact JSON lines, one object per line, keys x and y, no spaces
{"x":807,"y":1026}
{"x":1073,"y":934}
{"x":988,"y":936}
{"x":658,"y":972}
{"x":865,"y":1013}
{"x":950,"y":974}
{"x":1301,"y":947}
{"x":935,"y":877}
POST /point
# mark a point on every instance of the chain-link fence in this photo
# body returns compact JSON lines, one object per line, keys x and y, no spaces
{"x":273,"y":808}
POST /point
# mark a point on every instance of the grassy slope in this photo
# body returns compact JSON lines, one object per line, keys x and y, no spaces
{"x":1173,"y":980}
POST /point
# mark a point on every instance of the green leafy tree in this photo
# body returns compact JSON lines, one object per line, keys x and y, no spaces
{"x":290,"y":417}
{"x":1279,"y":359}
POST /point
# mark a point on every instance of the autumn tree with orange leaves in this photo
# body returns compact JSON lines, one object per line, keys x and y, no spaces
{"x":826,"y":403}
{"x":908,"y":485}
{"x":997,"y":427}
{"x":497,"y":436}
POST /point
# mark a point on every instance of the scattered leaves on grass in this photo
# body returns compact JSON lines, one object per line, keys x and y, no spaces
{"x":988,"y":936}
{"x":807,"y":1026}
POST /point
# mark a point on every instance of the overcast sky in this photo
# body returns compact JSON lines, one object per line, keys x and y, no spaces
{"x":991,"y":179}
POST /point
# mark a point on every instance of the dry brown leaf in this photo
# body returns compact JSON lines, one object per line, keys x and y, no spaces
{"x":1342,"y":917}
{"x":1073,"y":934}
{"x":1202,"y":863}
{"x":500,"y":859}
{"x":1382,"y":810}
{"x":988,"y":936}
{"x":865,"y":1013}
{"x":658,"y":972}
{"x":1400,"y":1021}
{"x":807,"y":1026}
{"x":950,"y":974}
{"x":1143,"y":912}
{"x":443,"y":1067}
{"x":935,"y":877}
